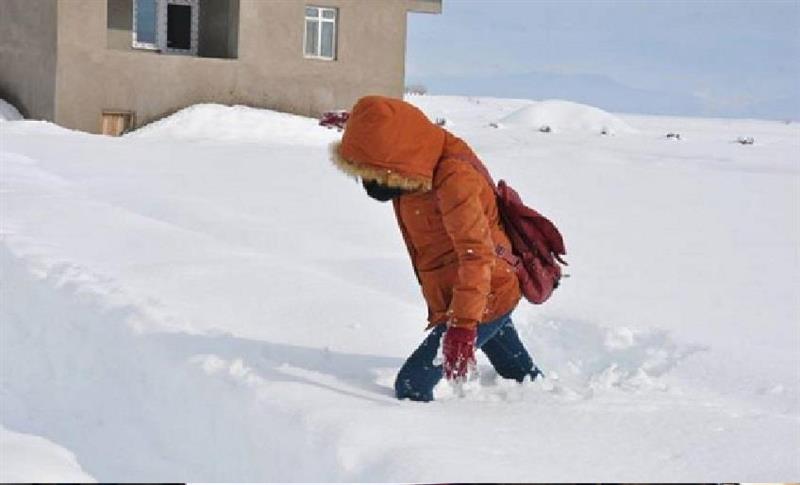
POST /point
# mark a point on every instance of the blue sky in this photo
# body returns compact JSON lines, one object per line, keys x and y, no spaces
{"x":696,"y":58}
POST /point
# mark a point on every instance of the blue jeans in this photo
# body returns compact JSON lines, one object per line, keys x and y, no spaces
{"x":497,"y":339}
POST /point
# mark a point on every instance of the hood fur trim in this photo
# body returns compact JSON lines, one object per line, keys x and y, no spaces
{"x":390,"y":178}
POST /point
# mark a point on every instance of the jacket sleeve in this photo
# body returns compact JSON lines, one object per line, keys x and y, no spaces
{"x":458,"y":191}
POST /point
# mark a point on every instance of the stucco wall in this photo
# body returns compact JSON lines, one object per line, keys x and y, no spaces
{"x":120,"y":24}
{"x":28,"y":56}
{"x":269,"y":72}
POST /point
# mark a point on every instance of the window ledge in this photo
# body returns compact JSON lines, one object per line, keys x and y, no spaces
{"x":165,"y":55}
{"x":319,"y":58}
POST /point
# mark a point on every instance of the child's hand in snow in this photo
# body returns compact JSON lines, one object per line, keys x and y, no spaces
{"x":458,"y":349}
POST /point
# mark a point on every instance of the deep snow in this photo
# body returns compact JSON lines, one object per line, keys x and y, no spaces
{"x":209,"y":299}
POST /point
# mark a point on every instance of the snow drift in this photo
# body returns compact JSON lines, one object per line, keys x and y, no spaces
{"x":235,"y":124}
{"x":565,"y":116}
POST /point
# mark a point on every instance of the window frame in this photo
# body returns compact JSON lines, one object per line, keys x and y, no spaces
{"x":320,"y":18}
{"x":160,"y":45}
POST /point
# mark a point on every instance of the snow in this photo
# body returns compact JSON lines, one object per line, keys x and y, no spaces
{"x":8,"y":112}
{"x":558,"y":115}
{"x":235,"y":124}
{"x":25,"y":457}
{"x":208,"y":299}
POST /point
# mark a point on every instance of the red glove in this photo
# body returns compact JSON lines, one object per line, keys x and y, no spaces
{"x":458,"y":350}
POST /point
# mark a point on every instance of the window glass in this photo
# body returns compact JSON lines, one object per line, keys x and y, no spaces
{"x":146,"y":21}
{"x":311,"y":37}
{"x":320,"y":36}
{"x":326,"y":49}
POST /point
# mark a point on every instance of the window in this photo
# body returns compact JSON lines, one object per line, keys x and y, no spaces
{"x":320,"y":37}
{"x":144,"y":24}
{"x":166,"y":25}
{"x":179,"y":26}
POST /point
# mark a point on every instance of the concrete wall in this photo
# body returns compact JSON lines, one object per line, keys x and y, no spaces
{"x":28,"y":56}
{"x":425,"y":6}
{"x":270,"y":70}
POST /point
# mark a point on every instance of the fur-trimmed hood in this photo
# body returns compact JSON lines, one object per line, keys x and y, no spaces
{"x":391,"y":142}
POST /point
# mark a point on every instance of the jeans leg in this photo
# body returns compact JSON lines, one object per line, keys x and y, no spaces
{"x":508,"y":356}
{"x":487,"y":331}
{"x":419,"y":375}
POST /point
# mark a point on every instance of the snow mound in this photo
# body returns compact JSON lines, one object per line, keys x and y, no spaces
{"x":8,"y":112}
{"x":565,"y":116}
{"x":238,"y":123}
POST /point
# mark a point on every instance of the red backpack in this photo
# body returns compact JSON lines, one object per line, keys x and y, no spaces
{"x":536,"y":244}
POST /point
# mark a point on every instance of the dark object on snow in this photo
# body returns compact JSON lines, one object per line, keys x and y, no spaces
{"x":604,"y":131}
{"x":440,"y":121}
{"x":676,"y":136}
{"x":380,"y":192}
{"x":545,"y":129}
{"x":536,"y":243}
{"x":417,"y":89}
{"x":334,"y":119}
{"x":494,"y":125}
{"x":745,"y":140}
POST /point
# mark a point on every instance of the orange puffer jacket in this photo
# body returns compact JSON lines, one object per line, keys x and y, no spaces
{"x":449,"y":220}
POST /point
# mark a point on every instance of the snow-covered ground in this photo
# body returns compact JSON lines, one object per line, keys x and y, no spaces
{"x":208,"y":299}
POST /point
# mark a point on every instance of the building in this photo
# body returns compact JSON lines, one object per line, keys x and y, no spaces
{"x":112,"y":65}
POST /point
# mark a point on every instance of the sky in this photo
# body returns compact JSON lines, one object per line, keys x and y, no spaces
{"x":713,"y":58}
